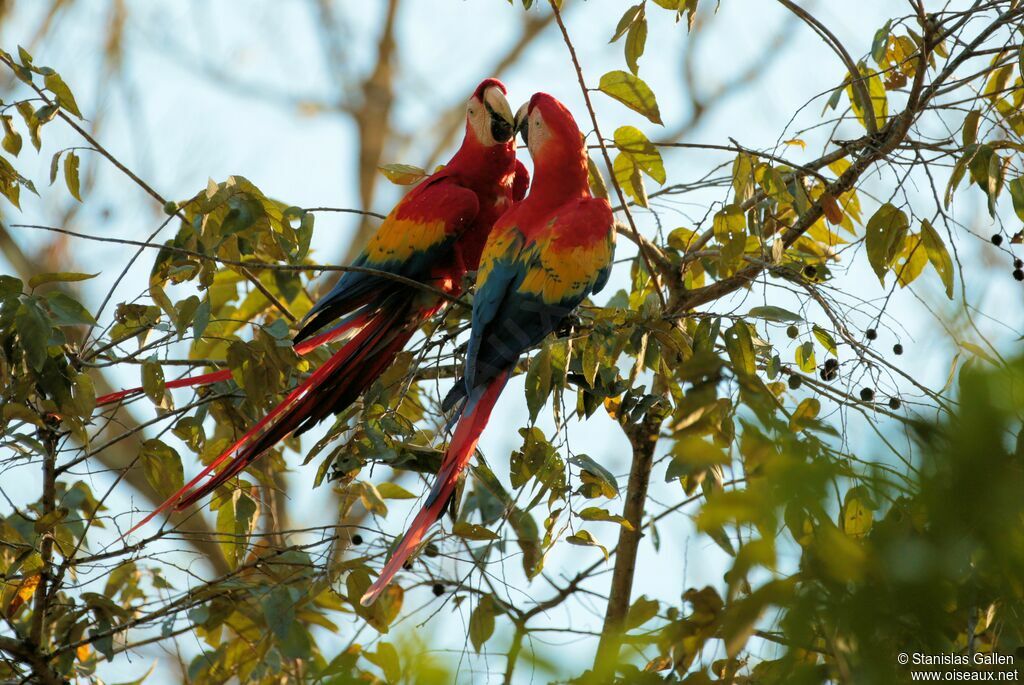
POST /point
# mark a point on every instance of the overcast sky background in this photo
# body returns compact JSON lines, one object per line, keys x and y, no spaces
{"x":173,"y":125}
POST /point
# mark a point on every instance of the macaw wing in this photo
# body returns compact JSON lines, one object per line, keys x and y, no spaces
{"x":418,"y":233}
{"x":549,"y":278}
{"x":500,"y":267}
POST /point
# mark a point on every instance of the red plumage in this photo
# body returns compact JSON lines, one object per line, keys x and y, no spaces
{"x":542,"y":259}
{"x":435,"y":235}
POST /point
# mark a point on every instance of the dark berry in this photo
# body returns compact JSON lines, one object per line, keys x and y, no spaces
{"x":792,"y":331}
{"x":867,"y":394}
{"x":997,"y":239}
{"x":431,"y":550}
{"x":1018,"y":274}
{"x":170,"y":208}
{"x":407,"y":566}
{"x":897,"y":349}
{"x":894,"y":403}
{"x":872,"y":334}
{"x":357,"y":539}
{"x":1018,"y":264}
{"x":438,"y":589}
{"x":831,"y":363}
{"x":829,"y":374}
{"x":794,"y":381}
{"x":810,"y":271}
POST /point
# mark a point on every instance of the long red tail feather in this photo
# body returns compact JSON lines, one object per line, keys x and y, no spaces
{"x":460,"y":450}
{"x":302,"y":348}
{"x":351,"y":363}
{"x":294,"y":396}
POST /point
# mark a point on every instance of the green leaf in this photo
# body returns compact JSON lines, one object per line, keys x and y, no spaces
{"x":642,"y":611}
{"x":825,"y":338}
{"x":162,"y":467}
{"x":403,"y":174}
{"x":55,"y":84}
{"x":33,"y":333}
{"x":538,"y":382}
{"x":772,"y":313}
{"x":626,"y":21}
{"x":596,"y":180}
{"x":472,"y":531}
{"x":970,"y":130}
{"x":595,"y":469}
{"x":9,"y":285}
{"x":636,"y":41}
{"x":740,"y":346}
{"x":481,"y":622}
{"x":279,"y":610}
{"x":58,"y":277}
{"x":880,"y":42}
{"x":632,"y":92}
{"x":153,"y":383}
{"x":729,"y":226}
{"x":386,"y":658}
{"x":632,"y":142}
{"x":1016,"y":188}
{"x":693,"y":455}
{"x":886,"y":230}
{"x":66,"y":310}
{"x":938,"y":255}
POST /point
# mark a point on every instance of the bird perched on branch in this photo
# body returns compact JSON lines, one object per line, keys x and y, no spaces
{"x":434,"y":235}
{"x":543,"y":258}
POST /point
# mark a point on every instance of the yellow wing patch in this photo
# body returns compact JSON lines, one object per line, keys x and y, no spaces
{"x":560,"y":274}
{"x":503,"y":243}
{"x":400,"y":239}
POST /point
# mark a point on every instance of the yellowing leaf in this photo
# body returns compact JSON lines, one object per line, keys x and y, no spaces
{"x":885,"y":232}
{"x":857,"y":513}
{"x":472,"y":531}
{"x":583,"y":538}
{"x":636,"y":41}
{"x":55,"y":84}
{"x":806,"y":411}
{"x":876,"y":92}
{"x":632,"y":142}
{"x":394,"y":491}
{"x":938,"y":255}
{"x":403,"y":174}
{"x":24,"y":594}
{"x":805,"y":357}
{"x":632,"y":92}
{"x":796,"y":142}
{"x":61,"y":277}
{"x":740,"y":346}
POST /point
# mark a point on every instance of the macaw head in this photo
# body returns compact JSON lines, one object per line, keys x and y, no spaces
{"x":488,"y":114}
{"x":548,"y":128}
{"x":552,"y":136}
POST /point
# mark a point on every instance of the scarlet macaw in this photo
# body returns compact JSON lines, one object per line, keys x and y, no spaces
{"x":434,"y":235}
{"x":544,"y":257}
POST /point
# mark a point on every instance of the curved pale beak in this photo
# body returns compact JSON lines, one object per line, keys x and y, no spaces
{"x":502,"y":121}
{"x":522,"y":124}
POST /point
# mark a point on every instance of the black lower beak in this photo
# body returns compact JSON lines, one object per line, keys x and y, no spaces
{"x":501,"y":130}
{"x":521,"y":128}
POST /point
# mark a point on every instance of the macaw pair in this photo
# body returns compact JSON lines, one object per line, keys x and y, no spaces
{"x":537,"y":259}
